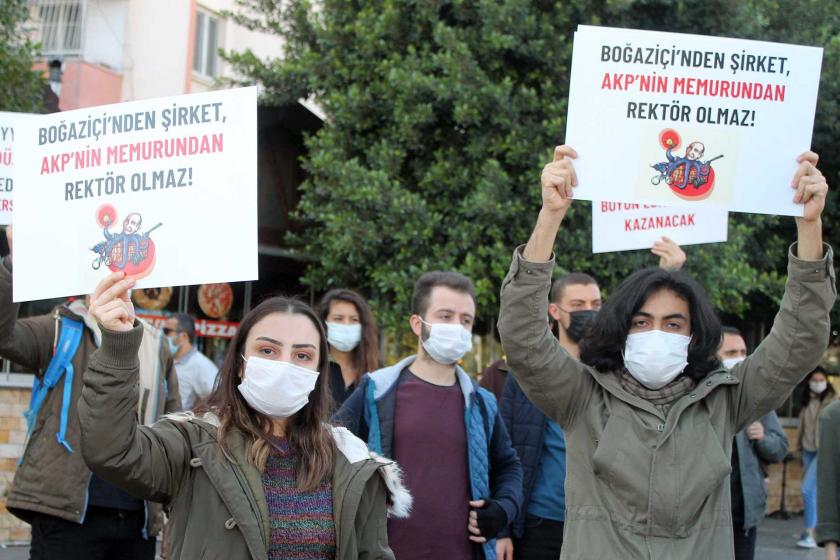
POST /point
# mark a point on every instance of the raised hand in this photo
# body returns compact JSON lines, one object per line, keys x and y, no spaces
{"x":558,"y":181}
{"x":811,"y":186}
{"x":110,"y":303}
{"x":671,"y":256}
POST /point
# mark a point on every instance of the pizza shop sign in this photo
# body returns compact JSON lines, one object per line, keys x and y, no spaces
{"x":203,"y":327}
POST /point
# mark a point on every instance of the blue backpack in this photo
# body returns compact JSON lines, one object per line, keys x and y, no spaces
{"x":60,"y":365}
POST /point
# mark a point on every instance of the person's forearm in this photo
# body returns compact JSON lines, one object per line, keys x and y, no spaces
{"x":809,"y":240}
{"x":541,"y":244}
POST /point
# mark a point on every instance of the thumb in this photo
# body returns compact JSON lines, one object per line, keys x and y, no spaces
{"x":478,"y":504}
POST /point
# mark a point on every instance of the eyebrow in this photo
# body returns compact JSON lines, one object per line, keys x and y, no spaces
{"x":278,"y":343}
{"x":671,"y":316}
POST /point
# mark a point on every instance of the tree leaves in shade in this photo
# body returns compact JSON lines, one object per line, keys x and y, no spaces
{"x":21,"y":87}
{"x":441,"y":114}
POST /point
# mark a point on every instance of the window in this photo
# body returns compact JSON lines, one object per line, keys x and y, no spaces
{"x":206,"y":45}
{"x":60,"y":26}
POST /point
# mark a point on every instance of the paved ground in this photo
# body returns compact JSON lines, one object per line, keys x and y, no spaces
{"x":776,"y":541}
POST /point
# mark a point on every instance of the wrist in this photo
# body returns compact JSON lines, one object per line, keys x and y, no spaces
{"x":815,"y":224}
{"x":551,"y":218}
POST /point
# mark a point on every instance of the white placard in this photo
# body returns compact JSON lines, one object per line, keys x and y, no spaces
{"x":690,"y":120}
{"x":619,"y":226}
{"x":7,"y":162}
{"x":164,"y":189}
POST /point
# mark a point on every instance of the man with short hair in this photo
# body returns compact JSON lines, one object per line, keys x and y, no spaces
{"x":445,"y":432}
{"x":196,"y":372}
{"x":762,"y":441}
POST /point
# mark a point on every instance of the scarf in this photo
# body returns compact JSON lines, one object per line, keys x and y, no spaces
{"x":662,"y":398}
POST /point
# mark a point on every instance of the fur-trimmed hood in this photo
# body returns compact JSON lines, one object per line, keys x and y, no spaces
{"x":354,"y":450}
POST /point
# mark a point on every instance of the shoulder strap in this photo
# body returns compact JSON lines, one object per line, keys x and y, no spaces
{"x":62,"y":361}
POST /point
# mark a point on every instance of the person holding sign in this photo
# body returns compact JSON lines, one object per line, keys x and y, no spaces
{"x":257,"y":473}
{"x":649,"y":413}
{"x":73,"y":512}
{"x":575,"y":300}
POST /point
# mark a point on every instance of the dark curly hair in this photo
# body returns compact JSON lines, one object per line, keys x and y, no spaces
{"x":603,"y":343}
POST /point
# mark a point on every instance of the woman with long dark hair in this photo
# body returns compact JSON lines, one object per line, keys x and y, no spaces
{"x":257,"y":473}
{"x":353,"y":338}
{"x":649,"y":412}
{"x":818,"y":395}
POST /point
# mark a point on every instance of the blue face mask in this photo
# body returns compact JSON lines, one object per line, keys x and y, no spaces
{"x":173,"y":346}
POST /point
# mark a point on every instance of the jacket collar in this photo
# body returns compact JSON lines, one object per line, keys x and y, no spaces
{"x":386,"y":378}
{"x":611,"y":383}
{"x":354,"y":465}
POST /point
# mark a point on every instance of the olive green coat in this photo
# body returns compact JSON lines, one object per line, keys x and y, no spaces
{"x":50,"y":480}
{"x":640,"y":485}
{"x":218,"y":507}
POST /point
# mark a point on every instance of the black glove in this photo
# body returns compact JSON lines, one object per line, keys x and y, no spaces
{"x":491,"y":519}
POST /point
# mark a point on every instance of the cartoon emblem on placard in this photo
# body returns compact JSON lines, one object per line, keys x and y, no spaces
{"x":129,"y":250}
{"x":688,"y":176}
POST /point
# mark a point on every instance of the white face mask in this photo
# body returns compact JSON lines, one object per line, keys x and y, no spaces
{"x":729,"y":363}
{"x":818,"y":386}
{"x":344,"y":337}
{"x":655,"y":358}
{"x":447,"y":342}
{"x":277,"y":389}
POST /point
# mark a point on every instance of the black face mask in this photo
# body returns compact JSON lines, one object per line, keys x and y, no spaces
{"x":578,"y":323}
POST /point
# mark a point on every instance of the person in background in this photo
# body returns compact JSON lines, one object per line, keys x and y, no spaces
{"x":493,"y":378}
{"x":819,"y":395}
{"x":828,"y":482}
{"x":445,"y":432}
{"x":354,"y":340}
{"x":196,"y":372}
{"x":76,"y":514}
{"x":763,"y":441}
{"x":538,"y":530}
{"x":255,"y":473}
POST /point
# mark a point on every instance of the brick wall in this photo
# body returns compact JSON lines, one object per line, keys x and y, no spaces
{"x":13,"y":403}
{"x":793,"y":480}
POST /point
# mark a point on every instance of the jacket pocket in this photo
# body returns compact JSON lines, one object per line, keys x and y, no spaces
{"x":622,"y":462}
{"x":706,"y":468}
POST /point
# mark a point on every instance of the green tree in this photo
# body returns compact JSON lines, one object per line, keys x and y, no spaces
{"x":440,"y":117}
{"x":21,"y":87}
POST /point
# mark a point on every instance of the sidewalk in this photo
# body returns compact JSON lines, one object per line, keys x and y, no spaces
{"x":776,"y":541}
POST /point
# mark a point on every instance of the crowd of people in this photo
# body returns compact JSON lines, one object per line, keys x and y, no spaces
{"x":627,"y":426}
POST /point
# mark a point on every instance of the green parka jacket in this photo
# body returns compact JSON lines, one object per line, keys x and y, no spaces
{"x":640,"y":485}
{"x":50,"y":480}
{"x":218,"y":507}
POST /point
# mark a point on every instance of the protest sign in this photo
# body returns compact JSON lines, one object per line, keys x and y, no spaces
{"x":618,"y":226}
{"x":688,"y":120}
{"x":7,"y":159}
{"x":164,"y":190}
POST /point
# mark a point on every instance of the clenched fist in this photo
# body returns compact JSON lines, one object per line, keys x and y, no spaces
{"x":111,"y":305}
{"x":558,"y":181}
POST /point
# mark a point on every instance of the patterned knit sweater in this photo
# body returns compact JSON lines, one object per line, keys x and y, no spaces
{"x":301,"y":523}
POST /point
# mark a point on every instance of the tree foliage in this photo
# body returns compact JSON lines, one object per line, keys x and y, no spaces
{"x":442,"y":113}
{"x":21,"y":88}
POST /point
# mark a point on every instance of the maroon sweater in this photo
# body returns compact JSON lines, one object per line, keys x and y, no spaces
{"x":430,"y":444}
